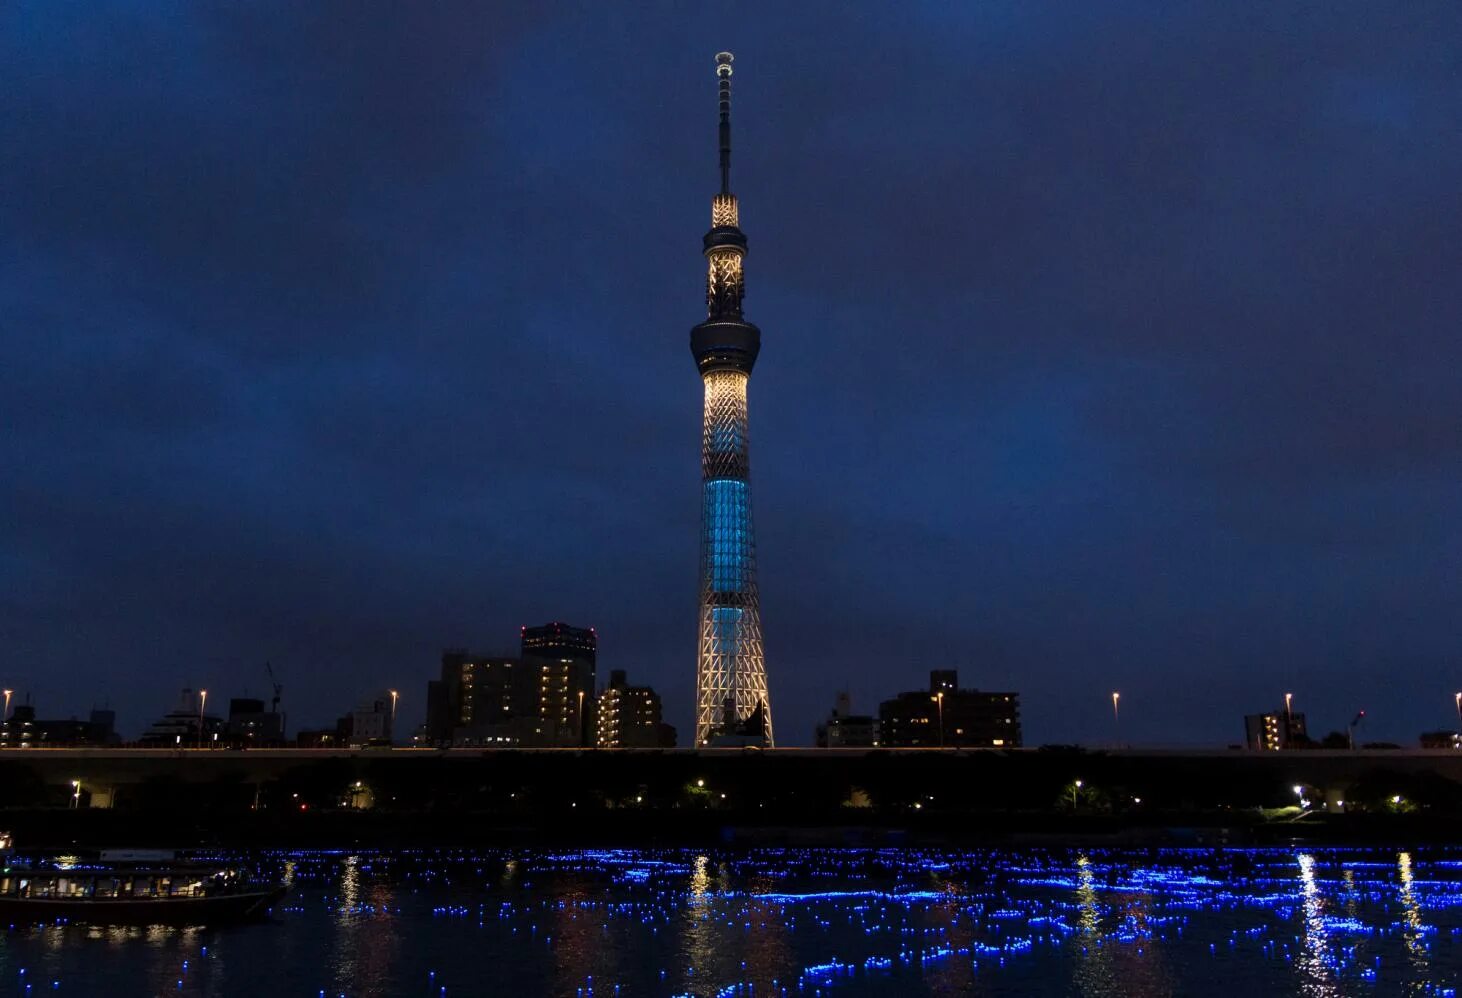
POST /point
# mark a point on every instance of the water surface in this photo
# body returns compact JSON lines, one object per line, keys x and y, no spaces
{"x":796,"y":922}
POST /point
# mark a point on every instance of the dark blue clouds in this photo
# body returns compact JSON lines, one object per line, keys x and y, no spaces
{"x":1105,"y":348}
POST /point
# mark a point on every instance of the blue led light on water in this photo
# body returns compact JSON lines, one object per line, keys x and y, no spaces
{"x":876,"y":922}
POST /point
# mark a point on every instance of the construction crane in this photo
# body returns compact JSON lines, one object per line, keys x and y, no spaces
{"x":278,"y":688}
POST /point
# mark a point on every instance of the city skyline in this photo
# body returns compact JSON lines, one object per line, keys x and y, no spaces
{"x":1113,"y":353}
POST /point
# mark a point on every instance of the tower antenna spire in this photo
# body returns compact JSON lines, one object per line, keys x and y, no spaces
{"x":723,"y":74}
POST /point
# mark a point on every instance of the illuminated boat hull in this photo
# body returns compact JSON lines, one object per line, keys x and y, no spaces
{"x":220,"y":908}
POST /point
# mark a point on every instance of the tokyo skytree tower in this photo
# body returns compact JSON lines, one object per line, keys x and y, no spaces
{"x":731,"y":679}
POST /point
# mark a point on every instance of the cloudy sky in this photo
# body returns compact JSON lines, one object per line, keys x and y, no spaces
{"x":1105,"y":346}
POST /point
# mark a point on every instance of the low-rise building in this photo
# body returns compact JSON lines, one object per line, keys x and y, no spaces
{"x":373,"y":720}
{"x":844,"y":729}
{"x":249,"y":723}
{"x":947,"y":716}
{"x":24,"y":730}
{"x":1274,"y":731}
{"x":336,"y":737}
{"x":185,"y":726}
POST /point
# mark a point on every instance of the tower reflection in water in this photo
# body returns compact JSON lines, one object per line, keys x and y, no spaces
{"x":731,"y":934}
{"x":1120,"y":942}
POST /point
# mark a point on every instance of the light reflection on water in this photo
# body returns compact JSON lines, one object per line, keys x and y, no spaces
{"x":1315,"y":963}
{"x":1414,"y":931}
{"x":1096,"y":923}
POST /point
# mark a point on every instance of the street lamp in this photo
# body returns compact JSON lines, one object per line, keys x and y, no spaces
{"x":1117,"y":717}
{"x":939,"y":699}
{"x":394,"y":697}
{"x":1289,"y":712}
{"x":581,"y":717}
{"x":202,"y":703}
{"x":9,"y":693}
{"x":75,"y":793}
{"x":1075,"y":786}
{"x":1459,"y":704}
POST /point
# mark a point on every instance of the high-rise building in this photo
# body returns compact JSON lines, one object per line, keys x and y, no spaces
{"x":543,"y":698}
{"x":485,"y":700}
{"x":630,"y":716}
{"x":565,"y":701}
{"x":948,"y":716}
{"x":1275,"y":730}
{"x":731,"y":680}
{"x":559,"y":663}
{"x":557,"y":640}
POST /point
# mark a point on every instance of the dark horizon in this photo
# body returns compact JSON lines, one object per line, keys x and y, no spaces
{"x":1101,"y":350}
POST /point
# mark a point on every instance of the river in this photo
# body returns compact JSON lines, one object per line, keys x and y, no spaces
{"x":831,"y":922}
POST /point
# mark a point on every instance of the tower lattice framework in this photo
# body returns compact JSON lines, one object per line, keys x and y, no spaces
{"x":731,"y":678}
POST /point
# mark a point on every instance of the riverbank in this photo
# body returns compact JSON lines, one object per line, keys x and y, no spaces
{"x":638,"y":798}
{"x":62,"y":829}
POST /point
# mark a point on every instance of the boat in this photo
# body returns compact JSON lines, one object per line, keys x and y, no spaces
{"x":115,"y":887}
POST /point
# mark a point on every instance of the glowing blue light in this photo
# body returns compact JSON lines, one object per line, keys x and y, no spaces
{"x":727,"y":541}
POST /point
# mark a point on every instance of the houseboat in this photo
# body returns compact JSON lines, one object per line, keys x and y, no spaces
{"x":117,"y":888}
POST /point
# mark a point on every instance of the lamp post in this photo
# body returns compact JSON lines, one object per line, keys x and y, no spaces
{"x":1117,"y":717}
{"x":1075,"y":786}
{"x":939,"y":701}
{"x":75,"y":794}
{"x":581,"y":718}
{"x":1458,"y":700}
{"x":9,"y":693}
{"x":202,"y":703}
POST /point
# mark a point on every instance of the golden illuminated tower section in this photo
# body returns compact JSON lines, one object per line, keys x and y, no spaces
{"x":732,"y":706}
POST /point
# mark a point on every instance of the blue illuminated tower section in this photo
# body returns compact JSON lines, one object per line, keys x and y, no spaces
{"x":731,"y":677}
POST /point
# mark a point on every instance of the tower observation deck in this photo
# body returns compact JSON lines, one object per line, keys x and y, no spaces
{"x":732,"y":706}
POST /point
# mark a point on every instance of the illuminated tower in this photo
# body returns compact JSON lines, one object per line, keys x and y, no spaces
{"x":731,"y":677}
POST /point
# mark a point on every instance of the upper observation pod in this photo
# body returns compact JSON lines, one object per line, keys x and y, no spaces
{"x":725,"y":341}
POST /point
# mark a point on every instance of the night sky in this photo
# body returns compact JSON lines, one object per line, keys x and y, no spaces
{"x":1105,"y":346}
